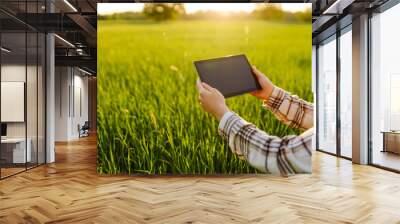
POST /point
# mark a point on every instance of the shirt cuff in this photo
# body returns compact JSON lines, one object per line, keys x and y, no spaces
{"x":275,"y":99}
{"x":222,"y":124}
{"x":224,"y":119}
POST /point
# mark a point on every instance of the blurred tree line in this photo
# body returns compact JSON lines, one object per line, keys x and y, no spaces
{"x":171,"y":11}
{"x":276,"y":13}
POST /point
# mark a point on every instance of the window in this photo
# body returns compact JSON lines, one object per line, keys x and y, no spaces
{"x":22,"y":77}
{"x":346,"y":92}
{"x":385,"y":89}
{"x":15,"y":148}
{"x":327,"y":95}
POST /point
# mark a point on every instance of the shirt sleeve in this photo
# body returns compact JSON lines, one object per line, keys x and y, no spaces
{"x":290,"y":109}
{"x":270,"y":154}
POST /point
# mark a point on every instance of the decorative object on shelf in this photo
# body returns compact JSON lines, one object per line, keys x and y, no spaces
{"x":391,"y":141}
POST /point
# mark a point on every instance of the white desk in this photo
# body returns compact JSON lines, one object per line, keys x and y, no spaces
{"x":18,"y":144}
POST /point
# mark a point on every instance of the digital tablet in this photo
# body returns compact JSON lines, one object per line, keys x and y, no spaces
{"x":231,"y":75}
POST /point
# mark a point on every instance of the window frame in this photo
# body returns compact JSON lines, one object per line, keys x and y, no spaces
{"x":380,"y":9}
{"x":345,"y":27}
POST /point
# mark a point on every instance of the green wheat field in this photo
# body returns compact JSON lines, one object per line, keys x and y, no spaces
{"x":149,"y":119}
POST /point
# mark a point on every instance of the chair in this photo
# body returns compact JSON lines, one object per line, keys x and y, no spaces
{"x":84,"y":130}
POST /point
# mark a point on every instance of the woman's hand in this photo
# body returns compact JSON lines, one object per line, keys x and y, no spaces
{"x":266,"y":85}
{"x":211,"y":100}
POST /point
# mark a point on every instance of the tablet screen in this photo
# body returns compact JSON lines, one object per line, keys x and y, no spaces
{"x":231,"y":75}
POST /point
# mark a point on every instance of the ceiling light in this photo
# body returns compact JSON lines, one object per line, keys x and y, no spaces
{"x":5,"y":50}
{"x":337,"y":7}
{"x":70,"y":5}
{"x":84,"y":71}
{"x":65,"y":41}
{"x":80,"y":51}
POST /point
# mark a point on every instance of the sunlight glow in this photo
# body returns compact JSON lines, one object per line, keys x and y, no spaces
{"x":219,"y":7}
{"x":109,"y":8}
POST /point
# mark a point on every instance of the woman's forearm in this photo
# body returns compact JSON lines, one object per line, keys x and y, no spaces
{"x":271,"y":154}
{"x":290,"y":109}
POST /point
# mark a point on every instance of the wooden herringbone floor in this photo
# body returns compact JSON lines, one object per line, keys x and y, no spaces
{"x":70,"y":191}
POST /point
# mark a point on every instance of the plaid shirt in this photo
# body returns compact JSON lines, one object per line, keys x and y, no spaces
{"x":271,"y":154}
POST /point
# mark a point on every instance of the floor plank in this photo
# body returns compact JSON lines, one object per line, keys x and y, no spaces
{"x":70,"y":191}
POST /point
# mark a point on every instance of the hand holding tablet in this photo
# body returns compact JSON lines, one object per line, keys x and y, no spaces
{"x":230,"y":75}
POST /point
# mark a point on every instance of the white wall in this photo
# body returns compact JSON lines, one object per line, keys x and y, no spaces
{"x":81,"y":94}
{"x":62,"y":82}
{"x":71,"y":87}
